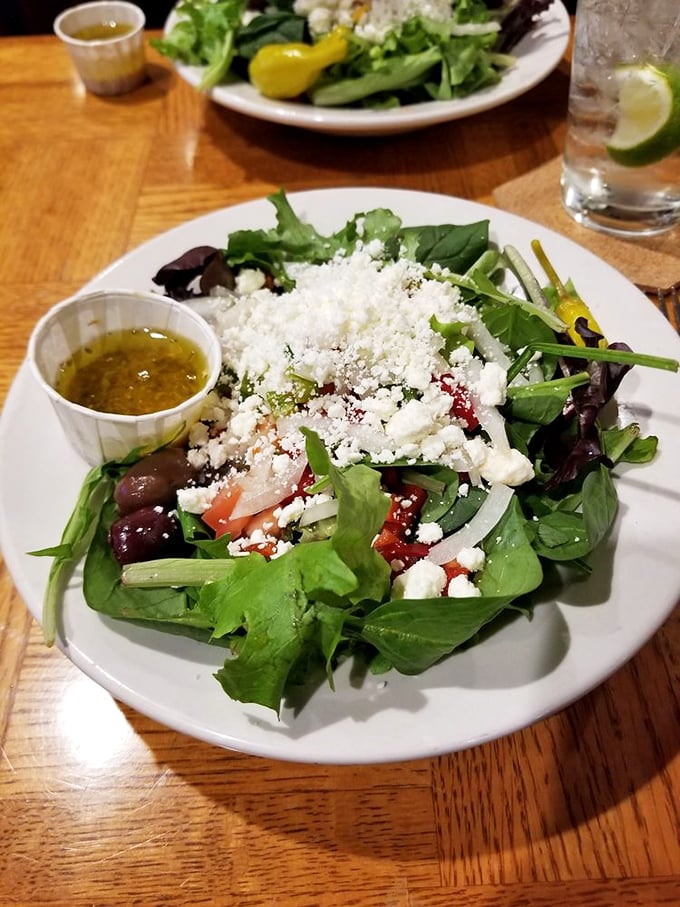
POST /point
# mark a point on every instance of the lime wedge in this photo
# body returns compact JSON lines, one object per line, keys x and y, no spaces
{"x":648,"y":128}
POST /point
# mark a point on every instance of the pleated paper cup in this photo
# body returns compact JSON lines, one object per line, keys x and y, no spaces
{"x":111,"y":65}
{"x":72,"y":324}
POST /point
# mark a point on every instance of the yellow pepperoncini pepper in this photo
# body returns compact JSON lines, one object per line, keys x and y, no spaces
{"x":288,"y":70}
{"x":569,"y":307}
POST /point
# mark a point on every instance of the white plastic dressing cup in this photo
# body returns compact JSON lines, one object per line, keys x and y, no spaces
{"x":72,"y":324}
{"x":105,"y":41}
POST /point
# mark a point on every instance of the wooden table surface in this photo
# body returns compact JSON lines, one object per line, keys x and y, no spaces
{"x":99,"y":804}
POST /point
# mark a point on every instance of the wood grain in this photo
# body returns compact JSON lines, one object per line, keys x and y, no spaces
{"x":99,"y":804}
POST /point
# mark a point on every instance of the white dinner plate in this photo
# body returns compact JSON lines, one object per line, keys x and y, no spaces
{"x":521,"y":672}
{"x":538,"y":53}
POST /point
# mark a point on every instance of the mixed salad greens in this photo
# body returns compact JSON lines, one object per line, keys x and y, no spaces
{"x":336,"y":588}
{"x":343,"y":53}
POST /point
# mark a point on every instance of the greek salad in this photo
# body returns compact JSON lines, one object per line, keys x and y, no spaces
{"x":408,"y":434}
{"x":379,"y":53}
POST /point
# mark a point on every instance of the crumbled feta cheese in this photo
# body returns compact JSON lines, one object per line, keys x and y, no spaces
{"x":350,"y":354}
{"x":411,"y":423}
{"x":364,"y":350}
{"x":384,"y":403}
{"x":452,"y":437}
{"x":476,"y":451}
{"x":290,"y":513}
{"x":197,"y":457}
{"x":217,"y":454}
{"x":461,"y":587}
{"x":492,"y":386}
{"x":429,"y":533}
{"x":509,"y":467}
{"x":248,"y":281}
{"x":243,"y":424}
{"x":471,"y":558}
{"x":196,"y":499}
{"x":432,"y":449}
{"x":198,"y":434}
{"x":371,"y":21}
{"x":422,"y":580}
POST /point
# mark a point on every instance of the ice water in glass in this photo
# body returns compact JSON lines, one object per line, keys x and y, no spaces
{"x":596,"y":191}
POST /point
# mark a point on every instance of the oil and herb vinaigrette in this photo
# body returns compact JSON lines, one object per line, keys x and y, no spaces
{"x":133,"y":372}
{"x":103,"y":31}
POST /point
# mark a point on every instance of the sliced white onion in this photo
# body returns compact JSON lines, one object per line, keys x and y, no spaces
{"x":481,"y":524}
{"x":261,"y":488}
{"x":493,"y":424}
{"x":534,"y":373}
{"x":287,"y":425}
{"x":214,"y":308}
{"x":316,"y":512}
{"x":489,"y":417}
{"x":491,"y":348}
{"x":475,"y":28}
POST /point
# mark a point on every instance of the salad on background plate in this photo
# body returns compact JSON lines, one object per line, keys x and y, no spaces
{"x":364,"y":68}
{"x":472,"y":477}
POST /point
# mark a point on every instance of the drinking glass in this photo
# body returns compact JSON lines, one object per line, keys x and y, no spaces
{"x":613,"y":37}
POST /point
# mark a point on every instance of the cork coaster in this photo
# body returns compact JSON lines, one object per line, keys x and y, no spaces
{"x":652,"y":261}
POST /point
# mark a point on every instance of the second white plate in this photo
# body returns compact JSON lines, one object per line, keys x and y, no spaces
{"x":538,"y":53}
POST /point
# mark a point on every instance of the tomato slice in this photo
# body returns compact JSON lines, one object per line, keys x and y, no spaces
{"x":266,"y":549}
{"x":405,"y":509}
{"x":307,"y":479}
{"x":218,"y":516}
{"x":453,"y":568}
{"x":461,"y":401}
{"x":264,"y":522}
{"x":393,"y":548}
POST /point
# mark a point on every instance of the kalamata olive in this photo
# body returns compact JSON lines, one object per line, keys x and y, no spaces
{"x":146,"y":534}
{"x":153,"y":480}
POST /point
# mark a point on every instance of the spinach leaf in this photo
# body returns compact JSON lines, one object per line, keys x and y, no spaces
{"x":512,"y":567}
{"x":564,"y":534}
{"x":462,"y":511}
{"x":521,"y":434}
{"x":414,"y":634}
{"x":642,"y":450}
{"x":600,"y":504}
{"x":455,"y":247}
{"x":275,"y":28}
{"x":543,"y":401}
{"x":197,"y":534}
{"x":439,"y":503}
{"x":516,"y":328}
{"x":625,"y":445}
